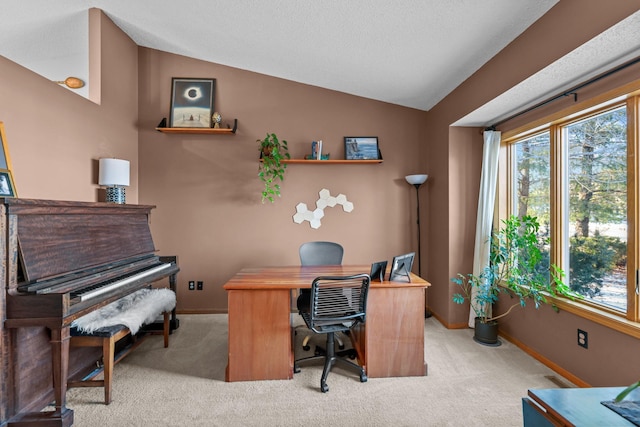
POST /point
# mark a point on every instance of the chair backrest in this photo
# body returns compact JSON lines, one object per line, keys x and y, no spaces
{"x":321,"y":253}
{"x":338,"y":302}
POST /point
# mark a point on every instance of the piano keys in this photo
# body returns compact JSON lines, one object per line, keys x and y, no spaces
{"x":63,"y":260}
{"x":103,"y":288}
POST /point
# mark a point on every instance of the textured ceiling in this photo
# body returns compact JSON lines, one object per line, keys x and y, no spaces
{"x":616,"y":46}
{"x":406,"y":52}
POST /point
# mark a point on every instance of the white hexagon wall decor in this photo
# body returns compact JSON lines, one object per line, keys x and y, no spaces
{"x":325,"y":200}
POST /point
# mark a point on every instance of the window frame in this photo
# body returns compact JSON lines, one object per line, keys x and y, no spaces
{"x":628,"y":96}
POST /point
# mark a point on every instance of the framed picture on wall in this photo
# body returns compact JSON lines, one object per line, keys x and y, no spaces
{"x":361,"y":148}
{"x":7,"y":188}
{"x":192,"y":102}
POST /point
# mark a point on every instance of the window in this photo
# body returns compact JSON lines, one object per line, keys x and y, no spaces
{"x":532,"y":175}
{"x":596,"y":150}
{"x":578,"y":175}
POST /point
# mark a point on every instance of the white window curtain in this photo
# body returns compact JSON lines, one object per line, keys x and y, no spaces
{"x":486,"y":203}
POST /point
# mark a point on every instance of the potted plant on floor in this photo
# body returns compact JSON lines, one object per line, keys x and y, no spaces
{"x":514,"y":268}
{"x":271,"y":169}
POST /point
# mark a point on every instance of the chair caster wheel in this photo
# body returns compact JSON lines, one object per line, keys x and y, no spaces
{"x":306,"y":347}
{"x":296,"y":369}
{"x":352,"y":355}
{"x":341,"y":346}
{"x":324,"y":388}
{"x":363,"y":378}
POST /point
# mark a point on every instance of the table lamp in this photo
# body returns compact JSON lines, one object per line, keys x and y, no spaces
{"x":114,"y":175}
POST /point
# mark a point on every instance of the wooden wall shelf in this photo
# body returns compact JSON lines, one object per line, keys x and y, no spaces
{"x":331,"y":162}
{"x":214,"y":131}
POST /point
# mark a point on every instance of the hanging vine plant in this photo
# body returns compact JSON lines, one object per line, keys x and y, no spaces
{"x":271,"y":169}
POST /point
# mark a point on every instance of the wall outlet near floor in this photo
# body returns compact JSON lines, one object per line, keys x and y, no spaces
{"x":583,"y":338}
{"x":192,"y":285}
{"x":200,"y":285}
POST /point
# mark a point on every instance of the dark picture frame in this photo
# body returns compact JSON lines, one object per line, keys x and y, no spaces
{"x":378,"y":270}
{"x":5,"y":162}
{"x":361,"y":148}
{"x":401,"y":267}
{"x":7,"y":187}
{"x":192,"y":102}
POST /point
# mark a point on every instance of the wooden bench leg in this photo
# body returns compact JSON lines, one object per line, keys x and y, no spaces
{"x":108,"y":354}
{"x":108,"y":350}
{"x":108,"y":345}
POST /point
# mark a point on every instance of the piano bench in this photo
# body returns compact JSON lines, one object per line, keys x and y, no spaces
{"x":107,"y":337}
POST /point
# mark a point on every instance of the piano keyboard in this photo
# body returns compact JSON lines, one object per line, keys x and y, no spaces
{"x":88,"y":294}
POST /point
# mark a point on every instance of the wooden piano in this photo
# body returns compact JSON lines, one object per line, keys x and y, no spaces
{"x":62,"y":260}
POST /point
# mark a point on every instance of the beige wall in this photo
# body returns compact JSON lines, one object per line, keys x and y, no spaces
{"x":55,"y":137}
{"x":454,"y":157}
{"x":207,"y":191}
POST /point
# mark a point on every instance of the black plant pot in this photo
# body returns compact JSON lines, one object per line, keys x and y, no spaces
{"x":486,"y":333}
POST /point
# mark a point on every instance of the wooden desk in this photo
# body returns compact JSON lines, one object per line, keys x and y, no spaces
{"x":573,"y":407}
{"x":389,"y":344}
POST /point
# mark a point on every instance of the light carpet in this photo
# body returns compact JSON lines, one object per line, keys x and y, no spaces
{"x":467,"y":385}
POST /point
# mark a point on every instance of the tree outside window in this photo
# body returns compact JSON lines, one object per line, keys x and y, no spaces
{"x":597,"y":177}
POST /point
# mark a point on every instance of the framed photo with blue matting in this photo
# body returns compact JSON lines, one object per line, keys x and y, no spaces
{"x":361,"y":148}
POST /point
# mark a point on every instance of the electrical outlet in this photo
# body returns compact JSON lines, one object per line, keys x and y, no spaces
{"x":583,"y":338}
{"x":200,"y":285}
{"x":192,"y":285}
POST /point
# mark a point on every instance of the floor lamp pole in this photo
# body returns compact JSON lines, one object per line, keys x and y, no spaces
{"x":417,"y":181}
{"x":418,"y":223}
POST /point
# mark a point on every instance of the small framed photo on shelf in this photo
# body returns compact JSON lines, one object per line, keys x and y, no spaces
{"x":7,"y":188}
{"x":361,"y":148}
{"x":192,"y":102}
{"x":401,"y":267}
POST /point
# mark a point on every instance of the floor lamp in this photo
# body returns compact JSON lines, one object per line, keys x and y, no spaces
{"x":417,"y":181}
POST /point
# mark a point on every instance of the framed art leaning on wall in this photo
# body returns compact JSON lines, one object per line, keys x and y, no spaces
{"x":7,"y":189}
{"x":361,"y":148}
{"x":7,"y":186}
{"x":192,"y":102}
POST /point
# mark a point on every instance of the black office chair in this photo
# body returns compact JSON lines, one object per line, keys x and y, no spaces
{"x":338,"y":303}
{"x":317,"y":253}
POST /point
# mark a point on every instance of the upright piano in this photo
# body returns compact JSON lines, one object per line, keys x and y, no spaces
{"x":62,"y":260}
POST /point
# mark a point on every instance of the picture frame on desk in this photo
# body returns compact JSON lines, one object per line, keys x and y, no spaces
{"x":361,"y":148}
{"x":401,"y":267}
{"x":378,"y":271}
{"x":192,"y":102}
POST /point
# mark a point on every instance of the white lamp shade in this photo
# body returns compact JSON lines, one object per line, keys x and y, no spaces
{"x":416,"y":179}
{"x":113,"y":172}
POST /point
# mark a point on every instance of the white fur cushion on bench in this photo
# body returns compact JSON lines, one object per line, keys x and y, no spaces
{"x":133,"y":311}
